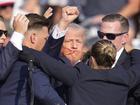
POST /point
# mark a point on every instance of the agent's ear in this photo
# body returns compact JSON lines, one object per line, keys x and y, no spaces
{"x":33,"y":38}
{"x":125,"y":38}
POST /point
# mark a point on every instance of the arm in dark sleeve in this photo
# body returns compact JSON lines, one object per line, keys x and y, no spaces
{"x":7,"y":57}
{"x":134,"y":95}
{"x":135,"y":90}
{"x":65,"y":73}
{"x":53,"y":46}
{"x":44,"y":92}
{"x":133,"y":72}
{"x":135,"y":68}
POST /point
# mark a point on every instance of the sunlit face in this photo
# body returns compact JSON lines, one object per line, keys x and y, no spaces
{"x":2,"y":37}
{"x":114,"y":27}
{"x":41,"y":37}
{"x":73,"y":45}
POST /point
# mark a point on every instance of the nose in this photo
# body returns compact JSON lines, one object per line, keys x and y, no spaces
{"x":3,"y":37}
{"x":105,"y":38}
{"x":74,"y":45}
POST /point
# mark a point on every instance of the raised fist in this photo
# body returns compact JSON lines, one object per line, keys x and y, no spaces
{"x":69,"y":14}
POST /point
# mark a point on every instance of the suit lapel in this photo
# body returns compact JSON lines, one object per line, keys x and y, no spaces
{"x":124,"y":59}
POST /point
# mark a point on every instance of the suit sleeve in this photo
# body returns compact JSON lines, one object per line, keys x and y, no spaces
{"x":134,"y":70}
{"x":63,"y":72}
{"x":54,"y":42}
{"x":44,"y":92}
{"x":135,"y":91}
{"x":7,"y":57}
{"x":53,"y":46}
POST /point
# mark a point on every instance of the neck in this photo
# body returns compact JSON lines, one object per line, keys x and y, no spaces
{"x":28,"y":44}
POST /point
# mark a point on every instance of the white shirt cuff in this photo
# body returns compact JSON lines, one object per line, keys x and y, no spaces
{"x":58,"y":33}
{"x":17,"y":39}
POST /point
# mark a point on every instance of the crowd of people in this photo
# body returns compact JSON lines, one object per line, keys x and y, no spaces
{"x":46,"y":59}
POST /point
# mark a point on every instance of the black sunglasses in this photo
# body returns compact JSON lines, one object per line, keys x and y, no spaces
{"x":110,"y":36}
{"x":3,"y":32}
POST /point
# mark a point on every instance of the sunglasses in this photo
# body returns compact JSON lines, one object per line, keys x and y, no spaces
{"x":110,"y":36}
{"x":3,"y":32}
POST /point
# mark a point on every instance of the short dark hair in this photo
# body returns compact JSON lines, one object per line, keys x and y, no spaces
{"x":104,"y":53}
{"x":36,"y":21}
{"x":117,"y":17}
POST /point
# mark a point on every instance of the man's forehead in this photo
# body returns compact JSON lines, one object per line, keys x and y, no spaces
{"x":74,"y":36}
{"x":110,"y":26}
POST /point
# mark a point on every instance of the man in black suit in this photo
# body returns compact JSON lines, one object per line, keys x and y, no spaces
{"x":53,"y":46}
{"x":115,"y":27}
{"x":15,"y":89}
{"x":70,"y":75}
{"x":71,"y":50}
{"x":73,"y":47}
{"x":9,"y":54}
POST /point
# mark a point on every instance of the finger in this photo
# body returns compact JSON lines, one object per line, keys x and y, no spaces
{"x":17,"y":17}
{"x":22,"y":18}
{"x":48,"y":13}
{"x":75,"y":10}
{"x":49,"y":10}
{"x":27,"y":21}
{"x":72,"y":11}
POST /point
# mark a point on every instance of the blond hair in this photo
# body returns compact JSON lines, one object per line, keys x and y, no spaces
{"x":104,"y":53}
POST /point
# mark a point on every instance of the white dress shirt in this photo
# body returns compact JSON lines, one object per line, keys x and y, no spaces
{"x":17,"y":39}
{"x":118,"y":56}
{"x":58,"y":33}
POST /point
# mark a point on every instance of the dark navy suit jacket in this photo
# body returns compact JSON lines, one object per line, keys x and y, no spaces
{"x":124,"y":60}
{"x":91,"y":87}
{"x":53,"y":47}
{"x":8,"y":56}
{"x":134,"y":93}
{"x":15,"y":89}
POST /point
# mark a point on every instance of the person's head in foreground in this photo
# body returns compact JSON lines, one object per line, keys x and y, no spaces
{"x":103,"y":54}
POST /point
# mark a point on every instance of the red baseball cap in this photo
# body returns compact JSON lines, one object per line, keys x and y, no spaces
{"x":6,"y":2}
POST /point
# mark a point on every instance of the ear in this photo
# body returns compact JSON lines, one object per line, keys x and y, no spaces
{"x":125,"y":38}
{"x":33,"y":38}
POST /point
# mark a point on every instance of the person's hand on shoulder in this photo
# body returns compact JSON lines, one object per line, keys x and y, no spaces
{"x":20,"y":23}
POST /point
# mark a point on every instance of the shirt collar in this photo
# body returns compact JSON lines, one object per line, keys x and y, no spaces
{"x":117,"y":56}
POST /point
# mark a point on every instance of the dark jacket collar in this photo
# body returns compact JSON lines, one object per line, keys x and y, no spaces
{"x":124,"y":59}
